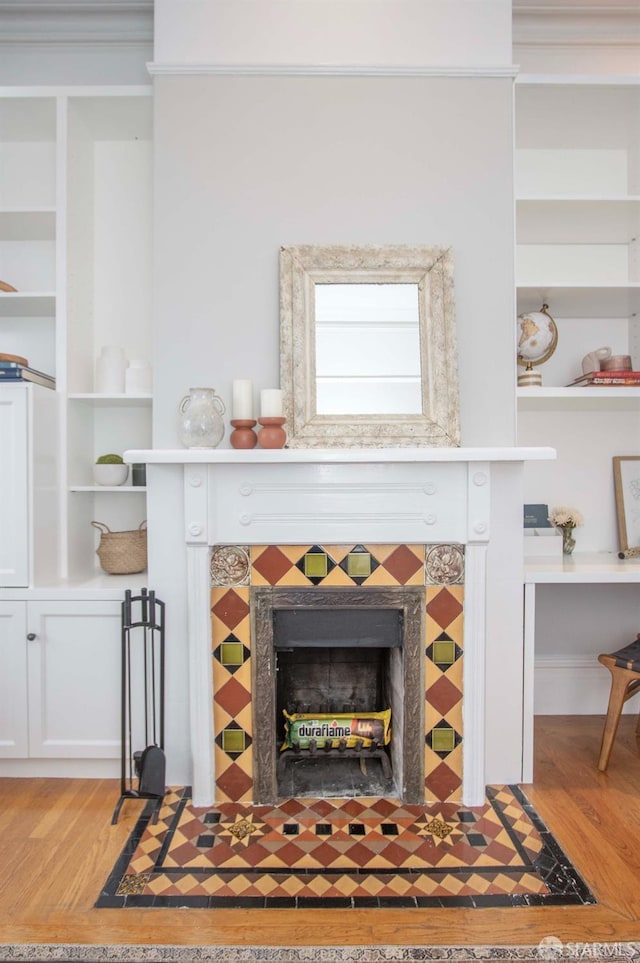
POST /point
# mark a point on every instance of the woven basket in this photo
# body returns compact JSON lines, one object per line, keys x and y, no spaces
{"x":122,"y":553}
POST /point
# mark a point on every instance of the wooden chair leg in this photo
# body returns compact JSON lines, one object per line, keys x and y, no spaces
{"x":617,"y":698}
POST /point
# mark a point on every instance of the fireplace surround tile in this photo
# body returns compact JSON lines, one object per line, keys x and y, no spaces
{"x":389,"y":565}
{"x":232,"y":717}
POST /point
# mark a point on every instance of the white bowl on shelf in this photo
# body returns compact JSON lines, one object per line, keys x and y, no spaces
{"x":110,"y":474}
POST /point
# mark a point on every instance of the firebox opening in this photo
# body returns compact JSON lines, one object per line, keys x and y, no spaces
{"x":358,"y":621}
{"x":338,"y":661}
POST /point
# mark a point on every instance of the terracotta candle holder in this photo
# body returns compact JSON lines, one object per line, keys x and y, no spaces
{"x":272,"y":434}
{"x":242,"y":436}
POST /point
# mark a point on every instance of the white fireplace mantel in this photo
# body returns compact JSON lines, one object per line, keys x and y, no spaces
{"x":305,"y":456}
{"x":334,"y":496}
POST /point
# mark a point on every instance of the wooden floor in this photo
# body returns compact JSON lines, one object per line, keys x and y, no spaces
{"x":57,"y":847}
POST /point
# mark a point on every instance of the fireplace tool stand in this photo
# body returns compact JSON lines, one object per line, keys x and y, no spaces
{"x":142,"y":719}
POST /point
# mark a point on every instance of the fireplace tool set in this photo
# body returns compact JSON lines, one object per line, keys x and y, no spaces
{"x":142,"y":774}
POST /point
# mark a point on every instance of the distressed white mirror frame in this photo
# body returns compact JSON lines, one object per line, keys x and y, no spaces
{"x":431,"y":268}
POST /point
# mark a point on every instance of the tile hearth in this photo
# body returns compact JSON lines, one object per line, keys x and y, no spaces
{"x":349,"y":853}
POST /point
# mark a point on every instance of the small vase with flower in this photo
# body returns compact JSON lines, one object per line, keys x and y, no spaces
{"x":566,"y":519}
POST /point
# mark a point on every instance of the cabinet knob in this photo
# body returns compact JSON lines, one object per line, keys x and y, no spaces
{"x":31,"y":636}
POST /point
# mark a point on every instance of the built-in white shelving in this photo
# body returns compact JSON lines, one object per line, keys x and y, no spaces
{"x":578,"y":251}
{"x":75,"y":242}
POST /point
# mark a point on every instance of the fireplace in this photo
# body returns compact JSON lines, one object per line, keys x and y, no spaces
{"x":287,"y":499}
{"x":336,"y":628}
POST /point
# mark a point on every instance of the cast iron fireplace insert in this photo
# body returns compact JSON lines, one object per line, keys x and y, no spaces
{"x":339,"y":650}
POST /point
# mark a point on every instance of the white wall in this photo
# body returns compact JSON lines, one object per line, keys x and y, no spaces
{"x":246,"y":164}
{"x":390,"y":32}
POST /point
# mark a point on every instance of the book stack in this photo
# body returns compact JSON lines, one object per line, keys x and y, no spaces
{"x":608,"y":379}
{"x":12,"y":372}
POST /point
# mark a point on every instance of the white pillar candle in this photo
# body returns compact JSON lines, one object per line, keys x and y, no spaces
{"x":271,"y":403}
{"x":242,"y":401}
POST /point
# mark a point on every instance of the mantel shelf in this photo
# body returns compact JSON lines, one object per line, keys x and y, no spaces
{"x":310,"y":456}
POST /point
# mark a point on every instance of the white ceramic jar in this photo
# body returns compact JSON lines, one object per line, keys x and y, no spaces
{"x":110,"y":368}
{"x":137,"y":378}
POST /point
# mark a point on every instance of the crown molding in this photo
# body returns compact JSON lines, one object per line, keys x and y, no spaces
{"x":76,"y":21}
{"x":576,"y":23}
{"x":328,"y":70}
{"x":550,"y":23}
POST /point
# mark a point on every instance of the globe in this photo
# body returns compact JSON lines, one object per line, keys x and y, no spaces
{"x":537,"y":340}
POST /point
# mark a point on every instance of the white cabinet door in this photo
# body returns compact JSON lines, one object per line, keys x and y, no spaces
{"x":13,"y":680}
{"x":14,"y":486}
{"x":74,"y":679}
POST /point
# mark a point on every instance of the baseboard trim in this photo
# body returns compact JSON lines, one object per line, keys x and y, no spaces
{"x":572,"y":685}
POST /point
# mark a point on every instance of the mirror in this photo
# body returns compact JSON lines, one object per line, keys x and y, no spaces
{"x":368,"y":346}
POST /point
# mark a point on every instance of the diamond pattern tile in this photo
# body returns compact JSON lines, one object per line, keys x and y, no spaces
{"x":402,"y":564}
{"x":444,"y":607}
{"x":239,"y":852}
{"x":230,"y":607}
{"x":443,"y":695}
{"x":271,"y":564}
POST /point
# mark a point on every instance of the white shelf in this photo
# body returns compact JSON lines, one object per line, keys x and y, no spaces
{"x":570,"y":300}
{"x":598,"y":567}
{"x":577,"y":80}
{"x":89,"y":586}
{"x":564,"y":219}
{"x":108,"y":401}
{"x":586,"y":199}
{"x":27,"y":224}
{"x":534,"y":399}
{"x":26,"y":304}
{"x":108,"y":488}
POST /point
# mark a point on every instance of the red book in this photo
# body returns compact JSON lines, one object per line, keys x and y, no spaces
{"x":608,"y":378}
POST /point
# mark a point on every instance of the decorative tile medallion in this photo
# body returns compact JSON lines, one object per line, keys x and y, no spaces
{"x":444,"y":564}
{"x":344,"y":853}
{"x":230,"y":565}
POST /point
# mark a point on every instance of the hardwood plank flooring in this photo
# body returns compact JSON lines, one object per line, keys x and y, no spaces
{"x":57,"y":847}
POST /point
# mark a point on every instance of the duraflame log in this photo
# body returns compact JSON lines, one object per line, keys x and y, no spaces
{"x":326,"y":729}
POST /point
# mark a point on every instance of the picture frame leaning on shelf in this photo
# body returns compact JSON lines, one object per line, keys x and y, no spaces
{"x":626,"y":475}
